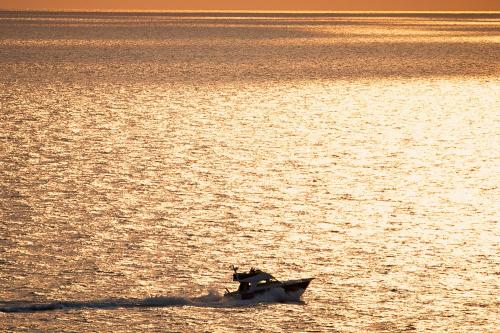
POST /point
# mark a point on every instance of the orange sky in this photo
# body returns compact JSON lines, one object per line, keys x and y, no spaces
{"x":253,"y":4}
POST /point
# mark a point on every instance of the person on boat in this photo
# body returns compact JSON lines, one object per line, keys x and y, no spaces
{"x":244,"y":286}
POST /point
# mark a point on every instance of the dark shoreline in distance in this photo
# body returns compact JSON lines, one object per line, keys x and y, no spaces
{"x":430,"y":14}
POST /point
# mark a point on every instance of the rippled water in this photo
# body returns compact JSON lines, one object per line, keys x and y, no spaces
{"x":143,"y":154}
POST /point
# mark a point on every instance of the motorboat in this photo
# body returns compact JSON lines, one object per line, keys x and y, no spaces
{"x":256,"y":282}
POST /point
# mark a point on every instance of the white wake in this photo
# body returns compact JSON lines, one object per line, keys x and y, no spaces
{"x":212,"y":299}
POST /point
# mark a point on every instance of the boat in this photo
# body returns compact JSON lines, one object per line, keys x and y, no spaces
{"x":256,"y":282}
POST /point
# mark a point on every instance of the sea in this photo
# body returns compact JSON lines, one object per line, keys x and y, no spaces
{"x":144,"y":153}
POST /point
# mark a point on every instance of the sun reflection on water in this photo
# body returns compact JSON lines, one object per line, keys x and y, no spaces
{"x":359,"y":151}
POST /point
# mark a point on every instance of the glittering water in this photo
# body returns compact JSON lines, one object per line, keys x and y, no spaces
{"x":143,"y":154}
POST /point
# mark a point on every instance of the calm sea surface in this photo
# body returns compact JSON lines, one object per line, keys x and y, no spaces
{"x":143,"y":154}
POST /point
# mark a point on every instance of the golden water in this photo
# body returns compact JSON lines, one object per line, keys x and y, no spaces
{"x":143,"y":154}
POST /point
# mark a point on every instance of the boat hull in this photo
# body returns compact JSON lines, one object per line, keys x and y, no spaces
{"x":296,"y":285}
{"x":292,"y":287}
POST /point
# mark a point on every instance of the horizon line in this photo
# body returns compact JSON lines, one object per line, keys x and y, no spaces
{"x":236,"y":11}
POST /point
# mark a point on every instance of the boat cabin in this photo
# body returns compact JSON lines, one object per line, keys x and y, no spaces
{"x":255,"y":277}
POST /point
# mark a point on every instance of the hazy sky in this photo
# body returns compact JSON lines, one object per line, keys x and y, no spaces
{"x":254,"y":4}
